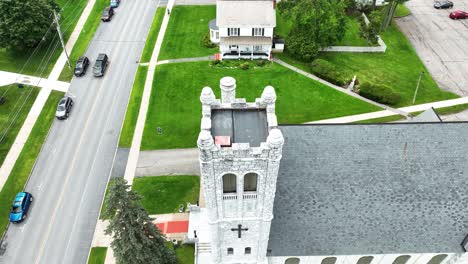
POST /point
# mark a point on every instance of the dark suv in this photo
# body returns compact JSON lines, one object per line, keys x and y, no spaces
{"x":64,"y":108}
{"x":100,"y":65}
{"x":81,"y":66}
{"x":107,"y":14}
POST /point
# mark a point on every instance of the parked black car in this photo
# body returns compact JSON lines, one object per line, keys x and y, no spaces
{"x":107,"y":14}
{"x":443,"y":4}
{"x":100,"y":65}
{"x":81,"y":66}
{"x":64,"y":108}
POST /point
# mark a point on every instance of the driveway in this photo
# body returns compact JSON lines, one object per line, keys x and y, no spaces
{"x":71,"y":173}
{"x":440,"y":42}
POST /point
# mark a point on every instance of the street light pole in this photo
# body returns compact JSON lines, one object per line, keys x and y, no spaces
{"x":417,"y":86}
{"x":57,"y":24}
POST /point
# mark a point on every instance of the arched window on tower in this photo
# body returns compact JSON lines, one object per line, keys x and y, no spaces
{"x":248,"y":250}
{"x":401,"y":259}
{"x":229,"y":183}
{"x":292,"y":261}
{"x":365,"y":260}
{"x":250,"y":182}
{"x":437,"y":259}
{"x":329,"y":260}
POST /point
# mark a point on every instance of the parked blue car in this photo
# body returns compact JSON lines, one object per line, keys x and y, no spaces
{"x":114,"y":3}
{"x":20,"y":207}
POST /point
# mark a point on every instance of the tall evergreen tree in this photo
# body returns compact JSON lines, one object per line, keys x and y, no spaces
{"x":24,"y":22}
{"x":136,"y":240}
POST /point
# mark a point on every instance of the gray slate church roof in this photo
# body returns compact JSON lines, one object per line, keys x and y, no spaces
{"x":371,"y":189}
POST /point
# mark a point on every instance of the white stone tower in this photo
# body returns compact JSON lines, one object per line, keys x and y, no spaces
{"x":240,"y":151}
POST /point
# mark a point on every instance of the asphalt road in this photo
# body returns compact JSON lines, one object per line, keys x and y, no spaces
{"x":71,"y":173}
{"x":440,"y":42}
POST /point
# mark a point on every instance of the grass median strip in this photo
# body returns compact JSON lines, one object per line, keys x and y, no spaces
{"x":11,"y":118}
{"x":97,"y":255}
{"x":14,"y":61}
{"x":153,"y":35}
{"x":175,"y":105}
{"x":25,"y":162}
{"x":84,"y":38}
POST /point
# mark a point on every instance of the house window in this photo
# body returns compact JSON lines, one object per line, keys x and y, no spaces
{"x":248,"y":250}
{"x":229,"y":183}
{"x":233,"y":47}
{"x":217,"y":34}
{"x":212,"y":34}
{"x":230,"y":251}
{"x":257,"y":48}
{"x":258,"y":31}
{"x":233,"y":31}
{"x":250,"y":182}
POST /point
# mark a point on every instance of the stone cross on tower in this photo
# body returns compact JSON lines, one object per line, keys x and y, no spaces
{"x":240,"y":149}
{"x":239,"y":230}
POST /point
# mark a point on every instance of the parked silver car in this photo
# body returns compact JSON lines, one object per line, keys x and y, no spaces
{"x":64,"y":108}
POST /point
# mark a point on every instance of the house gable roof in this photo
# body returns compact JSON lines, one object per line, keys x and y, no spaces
{"x":238,"y":13}
{"x":371,"y":189}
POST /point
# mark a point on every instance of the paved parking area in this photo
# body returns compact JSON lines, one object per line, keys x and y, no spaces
{"x":441,"y":43}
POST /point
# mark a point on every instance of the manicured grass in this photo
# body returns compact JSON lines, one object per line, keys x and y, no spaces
{"x":399,"y":68}
{"x":133,"y":108}
{"x":176,"y":108}
{"x":402,"y":11}
{"x":102,"y":215}
{"x":164,"y":194}
{"x":84,"y":38}
{"x":153,"y":35}
{"x":187,"y":26}
{"x":385,"y":119}
{"x":451,"y":109}
{"x":14,"y":61}
{"x":10,"y":123}
{"x":97,"y":255}
{"x":352,"y":36}
{"x":25,"y":162}
{"x":185,"y":254}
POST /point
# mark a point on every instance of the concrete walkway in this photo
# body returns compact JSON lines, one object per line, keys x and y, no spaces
{"x":379,"y":114}
{"x":168,"y":162}
{"x":339,"y":89}
{"x":47,"y":86}
{"x":140,"y":125}
{"x":206,"y":58}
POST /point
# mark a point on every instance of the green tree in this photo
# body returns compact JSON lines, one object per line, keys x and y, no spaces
{"x":136,"y":239}
{"x":390,"y":13}
{"x":316,"y":24}
{"x":24,"y":22}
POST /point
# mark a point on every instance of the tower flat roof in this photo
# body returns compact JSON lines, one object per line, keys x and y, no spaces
{"x":241,"y":125}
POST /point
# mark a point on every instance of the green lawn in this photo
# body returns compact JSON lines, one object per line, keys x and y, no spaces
{"x":9,"y":121}
{"x":97,"y":255}
{"x":352,"y":35}
{"x":84,"y":38}
{"x":27,"y":157}
{"x":176,"y":108}
{"x":185,"y":254}
{"x":164,"y":194}
{"x":402,"y":11}
{"x":104,"y":204}
{"x":399,"y":68}
{"x":153,"y":35}
{"x":133,"y":108}
{"x":187,"y":26}
{"x":14,"y":62}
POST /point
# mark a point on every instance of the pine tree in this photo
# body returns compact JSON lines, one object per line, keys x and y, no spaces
{"x":136,"y":239}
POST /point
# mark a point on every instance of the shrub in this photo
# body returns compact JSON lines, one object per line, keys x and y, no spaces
{"x":329,"y":72}
{"x":379,"y":93}
{"x":261,"y":63}
{"x":245,"y":65}
{"x":216,"y":62}
{"x":207,"y":42}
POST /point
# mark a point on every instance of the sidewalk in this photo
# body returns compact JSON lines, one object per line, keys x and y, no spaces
{"x":379,"y":114}
{"x":7,"y":78}
{"x":47,"y":86}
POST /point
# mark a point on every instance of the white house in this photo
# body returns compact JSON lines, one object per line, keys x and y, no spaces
{"x":326,"y":193}
{"x":244,"y":28}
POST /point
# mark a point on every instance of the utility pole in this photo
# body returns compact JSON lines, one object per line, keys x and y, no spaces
{"x":57,"y":24}
{"x":417,"y":86}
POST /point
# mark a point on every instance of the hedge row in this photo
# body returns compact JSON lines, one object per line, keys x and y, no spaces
{"x":330,"y":73}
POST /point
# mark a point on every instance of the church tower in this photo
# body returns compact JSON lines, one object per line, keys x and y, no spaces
{"x":240,"y":149}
